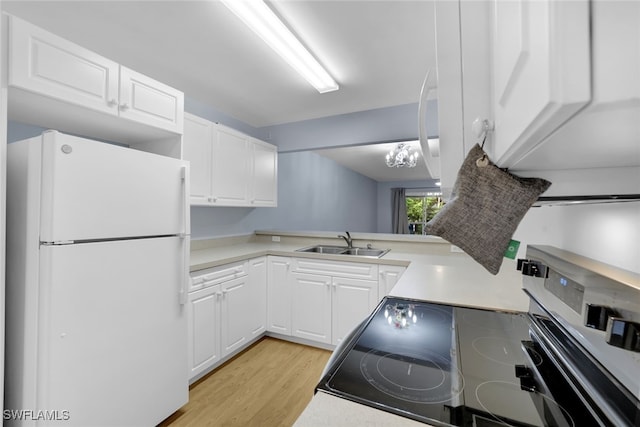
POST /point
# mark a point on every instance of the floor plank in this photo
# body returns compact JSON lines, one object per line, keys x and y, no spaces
{"x":269,"y":384}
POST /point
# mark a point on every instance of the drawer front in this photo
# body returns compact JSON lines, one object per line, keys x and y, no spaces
{"x":353,"y":270}
{"x":213,"y":276}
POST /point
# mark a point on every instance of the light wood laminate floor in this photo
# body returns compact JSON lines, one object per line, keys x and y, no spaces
{"x":269,"y":384}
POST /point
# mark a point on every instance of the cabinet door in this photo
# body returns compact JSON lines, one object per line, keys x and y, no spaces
{"x":234,"y":333}
{"x":264,"y":186}
{"x":44,"y":63}
{"x":196,"y":148}
{"x":203,"y":313}
{"x":148,"y":101}
{"x":389,"y":276}
{"x":541,"y":69}
{"x":311,"y":307}
{"x":256,"y":304}
{"x":278,"y":295}
{"x":353,"y":301}
{"x":231,"y":165}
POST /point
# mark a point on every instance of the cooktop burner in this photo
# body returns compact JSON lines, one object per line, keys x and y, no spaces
{"x":492,"y":396}
{"x":411,"y":377}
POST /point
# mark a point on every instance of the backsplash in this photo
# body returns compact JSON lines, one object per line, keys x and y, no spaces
{"x":607,"y":232}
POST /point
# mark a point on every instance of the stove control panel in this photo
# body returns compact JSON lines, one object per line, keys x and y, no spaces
{"x":567,"y":290}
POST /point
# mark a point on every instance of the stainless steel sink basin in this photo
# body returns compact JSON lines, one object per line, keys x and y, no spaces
{"x":366,"y":252}
{"x":322,"y":249}
{"x":341,"y":250}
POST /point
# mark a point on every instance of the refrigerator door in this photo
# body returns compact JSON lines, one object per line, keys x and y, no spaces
{"x":112,"y":333}
{"x":94,"y":190}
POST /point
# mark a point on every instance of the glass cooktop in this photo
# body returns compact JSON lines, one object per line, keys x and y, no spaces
{"x":445,"y":365}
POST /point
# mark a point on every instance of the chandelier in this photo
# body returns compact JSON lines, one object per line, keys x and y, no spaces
{"x":403,"y":156}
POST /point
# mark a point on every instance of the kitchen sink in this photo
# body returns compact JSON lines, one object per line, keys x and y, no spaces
{"x":366,"y":252}
{"x":342,"y":250}
{"x":322,"y":249}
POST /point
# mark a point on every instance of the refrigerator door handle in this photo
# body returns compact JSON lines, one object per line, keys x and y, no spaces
{"x":184,"y":283}
{"x":186,"y":189}
{"x":186,"y":240}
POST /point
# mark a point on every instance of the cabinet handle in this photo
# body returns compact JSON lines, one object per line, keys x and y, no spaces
{"x":112,"y":103}
{"x":124,"y":107}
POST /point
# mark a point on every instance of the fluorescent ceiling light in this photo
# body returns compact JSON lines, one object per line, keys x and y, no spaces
{"x":261,"y":19}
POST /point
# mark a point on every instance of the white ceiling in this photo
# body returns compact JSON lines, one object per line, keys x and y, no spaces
{"x":377,"y":50}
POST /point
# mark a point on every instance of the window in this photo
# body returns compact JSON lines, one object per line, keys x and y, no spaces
{"x":421,"y":207}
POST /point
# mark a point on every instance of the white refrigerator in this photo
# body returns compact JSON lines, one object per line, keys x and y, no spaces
{"x":97,"y":264}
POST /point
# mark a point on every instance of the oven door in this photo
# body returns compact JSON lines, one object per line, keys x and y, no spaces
{"x":561,"y":371}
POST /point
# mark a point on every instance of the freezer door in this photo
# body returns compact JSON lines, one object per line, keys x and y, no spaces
{"x":112,"y":332}
{"x":95,"y":190}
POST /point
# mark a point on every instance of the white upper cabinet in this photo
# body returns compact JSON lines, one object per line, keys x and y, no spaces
{"x":264,"y":174}
{"x":559,"y":80}
{"x":229,"y":168}
{"x":606,"y":133}
{"x":145,"y":100}
{"x":58,"y":84}
{"x":44,"y":63}
{"x":541,"y":71}
{"x":197,"y":146}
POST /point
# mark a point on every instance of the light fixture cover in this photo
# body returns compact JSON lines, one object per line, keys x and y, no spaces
{"x":261,"y":19}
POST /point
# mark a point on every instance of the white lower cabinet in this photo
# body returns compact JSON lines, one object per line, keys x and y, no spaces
{"x":278,"y":295}
{"x":326,"y":306}
{"x":389,"y":276}
{"x":321,"y":301}
{"x":352,"y":301}
{"x":232,"y":321}
{"x":225,"y":312}
{"x":255,"y":307}
{"x":311,"y":307}
{"x":203,"y":313}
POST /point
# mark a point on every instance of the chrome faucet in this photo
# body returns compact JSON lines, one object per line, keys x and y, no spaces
{"x":348,"y":239}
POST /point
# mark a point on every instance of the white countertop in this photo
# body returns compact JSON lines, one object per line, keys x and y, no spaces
{"x":433,"y":274}
{"x":326,"y":410}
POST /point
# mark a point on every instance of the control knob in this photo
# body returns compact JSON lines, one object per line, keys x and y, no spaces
{"x":527,"y":382}
{"x":623,"y":333}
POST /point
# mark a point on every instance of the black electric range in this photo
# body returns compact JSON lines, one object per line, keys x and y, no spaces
{"x":449,"y":365}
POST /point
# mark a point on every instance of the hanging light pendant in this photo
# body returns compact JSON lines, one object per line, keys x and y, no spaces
{"x":403,"y":156}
